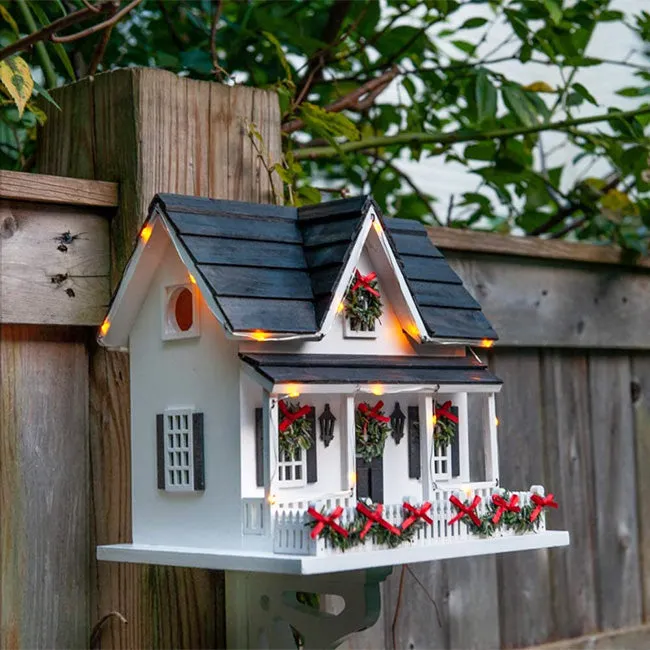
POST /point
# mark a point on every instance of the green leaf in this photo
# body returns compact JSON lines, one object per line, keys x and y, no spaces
{"x":16,"y":77}
{"x":6,"y":16}
{"x":280,"y":52}
{"x":329,"y":124}
{"x":465,"y":46}
{"x":58,"y":47}
{"x":633,"y":92}
{"x":574,"y":99}
{"x":486,"y":97}
{"x":610,"y":16}
{"x":473,"y":23}
{"x":581,"y":90}
{"x":45,"y":95}
{"x":554,"y":10}
{"x":518,"y":104}
{"x":480,"y":151}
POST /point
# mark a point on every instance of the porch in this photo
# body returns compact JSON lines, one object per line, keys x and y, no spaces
{"x":289,"y":525}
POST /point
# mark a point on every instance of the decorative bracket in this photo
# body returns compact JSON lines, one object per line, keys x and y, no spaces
{"x":264,"y":610}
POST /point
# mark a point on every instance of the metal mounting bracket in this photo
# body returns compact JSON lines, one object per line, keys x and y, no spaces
{"x":263,"y":610}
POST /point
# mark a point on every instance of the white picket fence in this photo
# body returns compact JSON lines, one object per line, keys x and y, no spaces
{"x":291,"y":531}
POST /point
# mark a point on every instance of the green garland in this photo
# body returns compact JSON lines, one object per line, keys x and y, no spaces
{"x":370,"y":435}
{"x":444,"y":432}
{"x":297,"y":435}
{"x":519,"y":522}
{"x":378,"y":534}
{"x":362,"y":308}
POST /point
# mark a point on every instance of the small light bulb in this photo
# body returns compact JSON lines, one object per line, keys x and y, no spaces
{"x":377,"y":226}
{"x":487,"y":343}
{"x":259,"y":335}
{"x":293,"y":390}
{"x":271,"y":499}
{"x":377,"y":389}
{"x":105,"y":326}
{"x":340,"y":308}
{"x":192,"y":278}
{"x":496,"y":421}
{"x":434,"y":419}
{"x":145,"y":233}
{"x":467,"y":490}
{"x":353,"y":478}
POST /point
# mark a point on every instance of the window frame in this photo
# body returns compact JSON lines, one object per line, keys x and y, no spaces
{"x":188,"y":430}
{"x":293,"y":463}
{"x":170,"y":331}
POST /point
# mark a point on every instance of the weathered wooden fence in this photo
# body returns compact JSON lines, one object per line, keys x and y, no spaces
{"x":575,"y":410}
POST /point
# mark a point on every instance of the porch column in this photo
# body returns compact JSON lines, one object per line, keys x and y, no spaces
{"x":460,"y":399}
{"x":270,"y":443}
{"x":425,"y":403}
{"x":491,"y":443}
{"x":348,"y":446}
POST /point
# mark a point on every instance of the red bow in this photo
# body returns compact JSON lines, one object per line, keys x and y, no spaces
{"x":463,"y":510}
{"x":374,"y":412}
{"x":541,"y":502}
{"x":289,"y":417}
{"x":375,"y":517}
{"x":445,"y":412}
{"x":416,"y":513}
{"x":504,"y":506}
{"x":363,"y":282}
{"x":329,"y":520}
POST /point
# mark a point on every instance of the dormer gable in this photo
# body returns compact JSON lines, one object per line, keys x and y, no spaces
{"x":281,"y":273}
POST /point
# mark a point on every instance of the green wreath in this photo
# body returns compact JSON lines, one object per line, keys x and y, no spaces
{"x":363,"y":303}
{"x":298,"y":435}
{"x":371,"y":430}
{"x":444,"y":430}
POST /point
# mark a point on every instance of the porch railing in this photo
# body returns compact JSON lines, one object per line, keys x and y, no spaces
{"x":291,"y":530}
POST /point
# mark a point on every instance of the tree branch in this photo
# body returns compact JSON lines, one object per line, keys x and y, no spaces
{"x":100,"y":49}
{"x":218,"y":70}
{"x":358,"y":100}
{"x":461,"y":135}
{"x":98,"y":27}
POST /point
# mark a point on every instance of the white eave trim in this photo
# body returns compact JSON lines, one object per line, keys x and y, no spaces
{"x":285,"y":388}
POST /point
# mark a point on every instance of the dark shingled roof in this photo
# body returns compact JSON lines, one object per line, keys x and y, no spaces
{"x":369,"y":369}
{"x":276,"y":268}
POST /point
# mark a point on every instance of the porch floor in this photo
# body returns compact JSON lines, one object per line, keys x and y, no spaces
{"x":266,"y":562}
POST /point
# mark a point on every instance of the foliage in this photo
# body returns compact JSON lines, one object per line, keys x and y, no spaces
{"x":370,"y":432}
{"x":298,"y":435}
{"x":362,"y":307}
{"x":377,"y":534}
{"x":444,"y":432}
{"x":331,"y":63}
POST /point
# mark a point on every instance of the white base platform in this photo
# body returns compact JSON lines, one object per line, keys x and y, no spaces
{"x":240,"y":560}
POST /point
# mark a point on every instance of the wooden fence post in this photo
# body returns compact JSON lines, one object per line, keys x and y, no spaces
{"x":151,"y":131}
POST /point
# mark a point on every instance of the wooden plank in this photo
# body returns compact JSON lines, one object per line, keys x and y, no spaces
{"x":437,"y":294}
{"x":629,"y":638}
{"x":641,"y":407}
{"x":327,"y":255}
{"x":570,"y":472}
{"x":252,"y":282}
{"x":457,"y":323}
{"x":45,"y":520}
{"x":273,"y":230}
{"x":524,"y":586}
{"x":246,"y":252}
{"x":405,"y":226}
{"x":414,"y":245}
{"x":452,"y":239}
{"x":617,"y":555}
{"x":54,"y":264}
{"x":332,"y":210}
{"x":326,"y":234}
{"x":536,"y":303}
{"x":363,"y":361}
{"x":424,"y":268}
{"x":269,"y":315}
{"x":57,"y":189}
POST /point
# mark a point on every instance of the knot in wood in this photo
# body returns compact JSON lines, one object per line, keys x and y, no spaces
{"x":8,"y":225}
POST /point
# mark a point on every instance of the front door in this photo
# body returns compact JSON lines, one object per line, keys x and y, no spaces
{"x":370,"y":479}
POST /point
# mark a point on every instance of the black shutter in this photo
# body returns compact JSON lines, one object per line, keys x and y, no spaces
{"x":414,"y":442}
{"x":363,"y":479}
{"x":259,"y":447}
{"x":197,"y":451}
{"x":312,"y":459}
{"x":160,"y":449}
{"x":455,"y":447}
{"x":377,"y":480}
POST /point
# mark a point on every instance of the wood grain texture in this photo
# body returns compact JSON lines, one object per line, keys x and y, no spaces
{"x":570,"y":476}
{"x":151,"y":131}
{"x":43,"y":277}
{"x":641,"y":407}
{"x":524,"y":582}
{"x":57,"y":189}
{"x":44,"y":525}
{"x":452,"y":239}
{"x":629,"y":638}
{"x":536,"y":303}
{"x":617,"y":554}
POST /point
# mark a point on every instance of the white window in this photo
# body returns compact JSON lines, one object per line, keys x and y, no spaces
{"x":180,"y":314}
{"x":441,"y":463}
{"x":292,"y":470}
{"x":179,"y":466}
